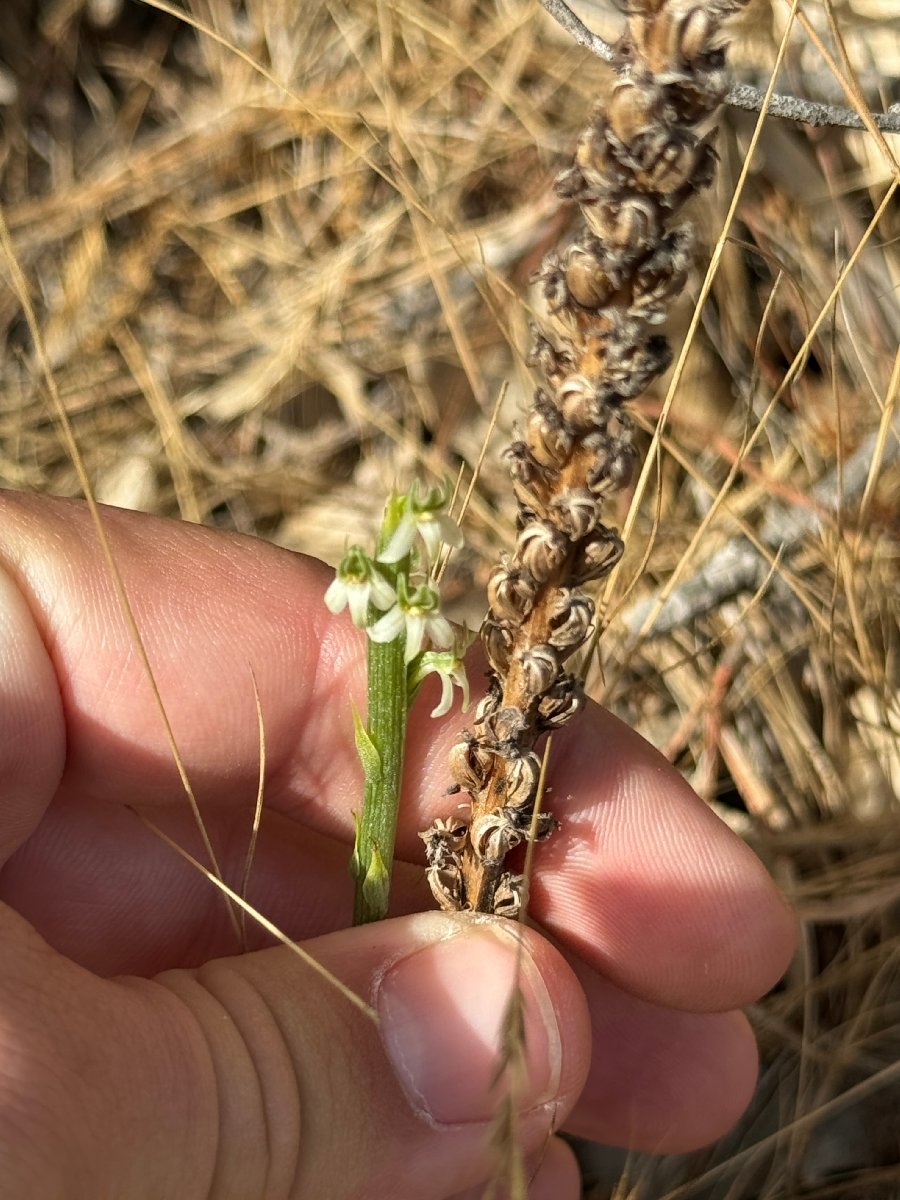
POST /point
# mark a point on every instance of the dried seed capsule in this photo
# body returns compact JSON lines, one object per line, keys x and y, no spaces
{"x":586,"y":280}
{"x":549,"y":439}
{"x":690,"y":35}
{"x":510,"y":592}
{"x":552,"y":362}
{"x":510,"y":896}
{"x":539,"y":666}
{"x":522,"y":777}
{"x":613,"y":472}
{"x":597,"y":555}
{"x":493,"y":836}
{"x":580,"y":402}
{"x":541,"y":548}
{"x":489,"y":703}
{"x":561,"y":703}
{"x":570,"y":620}
{"x":633,"y":109}
{"x":446,"y":883}
{"x":522,"y":821}
{"x":497,"y":640}
{"x":530,"y":481}
{"x":469,"y":764}
{"x":575,"y":511}
{"x":570,"y":184}
{"x":630,"y":225}
{"x":504,"y":728}
{"x":444,"y":840}
{"x":551,"y":277}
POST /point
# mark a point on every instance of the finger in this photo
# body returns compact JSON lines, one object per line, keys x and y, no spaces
{"x":253,"y":1077}
{"x":551,"y":1174}
{"x":661,"y":1081}
{"x":647,"y":884}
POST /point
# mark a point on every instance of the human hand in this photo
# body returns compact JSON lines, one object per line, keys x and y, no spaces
{"x":143,"y":1056}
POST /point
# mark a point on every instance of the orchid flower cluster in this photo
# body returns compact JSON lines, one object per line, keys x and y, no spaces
{"x":394,"y":597}
{"x":391,"y":600}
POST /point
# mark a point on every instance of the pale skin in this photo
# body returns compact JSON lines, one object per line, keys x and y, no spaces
{"x":141,"y":1055}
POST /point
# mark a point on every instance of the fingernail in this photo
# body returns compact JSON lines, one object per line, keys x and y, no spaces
{"x":443,"y":1010}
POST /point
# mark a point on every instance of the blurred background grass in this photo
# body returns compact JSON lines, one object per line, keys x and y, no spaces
{"x":283,"y":261}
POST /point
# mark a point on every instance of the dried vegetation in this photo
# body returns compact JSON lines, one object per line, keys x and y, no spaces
{"x":264,"y":303}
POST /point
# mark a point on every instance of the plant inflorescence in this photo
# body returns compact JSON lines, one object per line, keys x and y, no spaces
{"x":643,"y":155}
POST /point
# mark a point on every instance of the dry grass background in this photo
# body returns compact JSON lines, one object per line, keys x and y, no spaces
{"x":263,"y":304}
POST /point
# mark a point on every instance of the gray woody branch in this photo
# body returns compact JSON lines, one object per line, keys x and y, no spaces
{"x":742,"y":95}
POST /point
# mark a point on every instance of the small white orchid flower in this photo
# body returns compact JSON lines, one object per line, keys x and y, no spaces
{"x":447,"y":664}
{"x":426,"y":518}
{"x":357,"y":586}
{"x":417,"y":614}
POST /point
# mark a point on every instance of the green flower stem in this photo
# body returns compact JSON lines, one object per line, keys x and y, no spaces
{"x":377,"y":826}
{"x":381,"y":747}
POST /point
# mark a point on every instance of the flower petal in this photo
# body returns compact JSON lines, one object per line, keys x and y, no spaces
{"x":440,"y":631}
{"x":358,"y":599}
{"x":415,"y":635}
{"x":401,"y":540}
{"x":446,"y":700}
{"x":387,"y":627}
{"x":336,"y":596}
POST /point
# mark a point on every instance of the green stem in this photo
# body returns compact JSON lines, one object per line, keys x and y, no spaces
{"x":377,"y":827}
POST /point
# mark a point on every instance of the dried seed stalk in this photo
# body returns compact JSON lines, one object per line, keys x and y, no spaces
{"x":637,"y":163}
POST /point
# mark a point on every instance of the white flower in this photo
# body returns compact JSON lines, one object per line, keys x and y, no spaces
{"x":427,"y":518}
{"x":417,"y":615}
{"x":448,"y":664}
{"x":358,"y":585}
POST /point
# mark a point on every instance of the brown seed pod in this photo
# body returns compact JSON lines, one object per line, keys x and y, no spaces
{"x":497,"y":639}
{"x":504,"y":728}
{"x":586,"y":280}
{"x":510,"y":592}
{"x":510,"y":895}
{"x":493,"y":836}
{"x":541,"y":548}
{"x":489,"y":703}
{"x":634,"y":108}
{"x":553,"y":363}
{"x":469,"y":764}
{"x":549,"y":438}
{"x":444,"y":840}
{"x":570,"y":620}
{"x":597,"y":555}
{"x":522,"y":821}
{"x":575,"y":511}
{"x":580,"y":403}
{"x":629,"y":225}
{"x":539,"y":666}
{"x":522,"y":777}
{"x":446,"y":883}
{"x":561,"y":703}
{"x":674,"y":163}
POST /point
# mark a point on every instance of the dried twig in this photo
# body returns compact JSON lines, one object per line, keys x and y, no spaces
{"x":740,"y":95}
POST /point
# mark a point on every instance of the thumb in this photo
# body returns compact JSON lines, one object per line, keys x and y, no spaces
{"x":254,"y":1076}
